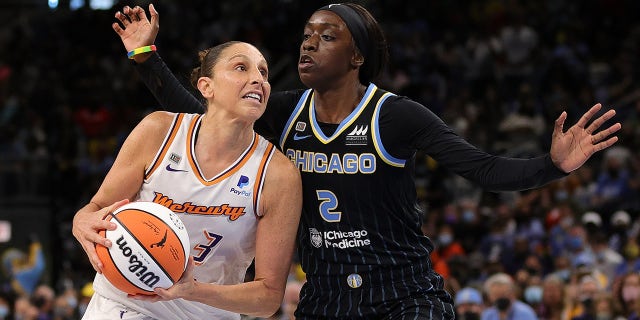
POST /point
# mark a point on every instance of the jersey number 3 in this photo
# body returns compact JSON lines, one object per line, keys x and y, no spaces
{"x":206,"y":248}
{"x":328,"y":203}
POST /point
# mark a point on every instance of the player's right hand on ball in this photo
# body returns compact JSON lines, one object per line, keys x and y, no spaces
{"x":86,"y":227}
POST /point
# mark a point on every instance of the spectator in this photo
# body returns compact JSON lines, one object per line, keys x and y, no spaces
{"x":564,"y":217}
{"x":469,"y":304}
{"x":5,"y":308}
{"x":518,"y":42}
{"x":501,"y":291}
{"x":553,"y":298}
{"x":631,"y":254}
{"x":620,"y":224}
{"x":603,"y":308}
{"x":612,"y":187}
{"x":65,"y":305}
{"x":24,"y":270}
{"x":43,"y":299}
{"x":606,"y":259}
{"x":627,"y":294}
{"x":447,"y":247}
{"x":581,"y":297}
{"x":24,"y":309}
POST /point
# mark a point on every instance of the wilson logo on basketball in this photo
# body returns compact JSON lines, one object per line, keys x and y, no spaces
{"x":136,"y":266}
{"x":222,"y":210}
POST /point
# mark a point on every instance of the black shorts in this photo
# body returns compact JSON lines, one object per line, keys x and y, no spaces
{"x":381,"y":295}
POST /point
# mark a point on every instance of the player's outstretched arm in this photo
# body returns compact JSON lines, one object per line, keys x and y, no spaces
{"x":136,"y":30}
{"x":571,"y":149}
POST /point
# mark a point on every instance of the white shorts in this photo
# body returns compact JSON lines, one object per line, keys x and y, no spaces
{"x":109,"y":303}
{"x":101,"y":308}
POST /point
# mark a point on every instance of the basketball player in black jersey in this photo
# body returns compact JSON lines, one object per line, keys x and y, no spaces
{"x":360,"y":241}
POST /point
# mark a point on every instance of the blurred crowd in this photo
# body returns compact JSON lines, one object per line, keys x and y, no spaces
{"x":498,"y":72}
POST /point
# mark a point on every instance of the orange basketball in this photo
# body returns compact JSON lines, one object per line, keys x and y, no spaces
{"x":149,"y":248}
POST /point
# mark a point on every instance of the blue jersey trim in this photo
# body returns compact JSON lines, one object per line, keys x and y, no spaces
{"x":377,"y":141}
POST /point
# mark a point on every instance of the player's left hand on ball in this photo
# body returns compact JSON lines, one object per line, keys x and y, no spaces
{"x":181,"y":289}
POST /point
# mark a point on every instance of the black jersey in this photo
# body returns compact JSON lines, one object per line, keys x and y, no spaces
{"x":360,"y":241}
{"x":359,"y":201}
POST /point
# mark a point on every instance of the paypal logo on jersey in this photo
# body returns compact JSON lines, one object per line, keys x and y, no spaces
{"x":242,"y":182}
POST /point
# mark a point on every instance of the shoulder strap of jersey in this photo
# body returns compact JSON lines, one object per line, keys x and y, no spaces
{"x":294,"y":115}
{"x":375,"y":133}
{"x":168,"y":139}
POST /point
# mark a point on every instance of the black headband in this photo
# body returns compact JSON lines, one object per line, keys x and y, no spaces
{"x":354,"y":23}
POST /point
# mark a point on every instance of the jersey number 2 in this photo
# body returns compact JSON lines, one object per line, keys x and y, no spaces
{"x":328,"y":202}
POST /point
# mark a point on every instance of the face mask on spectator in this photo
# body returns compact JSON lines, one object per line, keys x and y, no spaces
{"x":533,"y":294}
{"x":4,"y":311}
{"x":72,"y":301}
{"x":587,"y":301}
{"x":564,"y":274}
{"x":445,"y":239}
{"x":503,"y":304}
{"x":561,"y":194}
{"x":575,"y":243}
{"x":603,"y":316}
{"x":468,"y":216}
{"x":470,"y":315}
{"x":630,"y":293}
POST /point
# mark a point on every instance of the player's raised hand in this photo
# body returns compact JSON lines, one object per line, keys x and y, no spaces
{"x":571,"y":149}
{"x":86,"y":227}
{"x":135,"y":29}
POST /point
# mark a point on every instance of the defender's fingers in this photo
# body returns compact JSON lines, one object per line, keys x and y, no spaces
{"x":130,"y":13}
{"x":559,"y":126}
{"x":601,"y":120}
{"x":117,"y":28}
{"x":124,"y":20}
{"x":606,"y":133}
{"x":588,"y":115}
{"x":605,"y":144}
{"x":155,"y":16}
{"x":139,"y":14}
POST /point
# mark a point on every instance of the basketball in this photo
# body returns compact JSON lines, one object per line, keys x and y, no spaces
{"x":149,"y":248}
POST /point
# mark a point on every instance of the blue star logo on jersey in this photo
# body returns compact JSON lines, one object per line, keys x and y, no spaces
{"x":296,"y":137}
{"x":174,"y":170}
{"x":243,"y":181}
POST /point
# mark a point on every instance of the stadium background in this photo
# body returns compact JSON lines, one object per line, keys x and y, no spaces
{"x":69,"y":96}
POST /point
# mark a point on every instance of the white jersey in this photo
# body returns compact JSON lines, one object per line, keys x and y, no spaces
{"x":220,"y":214}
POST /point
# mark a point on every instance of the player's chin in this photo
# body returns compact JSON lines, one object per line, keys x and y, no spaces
{"x":309,"y":79}
{"x":255,"y":111}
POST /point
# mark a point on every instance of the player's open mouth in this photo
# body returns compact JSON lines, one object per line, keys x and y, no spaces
{"x":253,"y":95}
{"x":305,"y":61}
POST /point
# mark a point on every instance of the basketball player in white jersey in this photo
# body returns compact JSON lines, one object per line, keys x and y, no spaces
{"x":239,"y":197}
